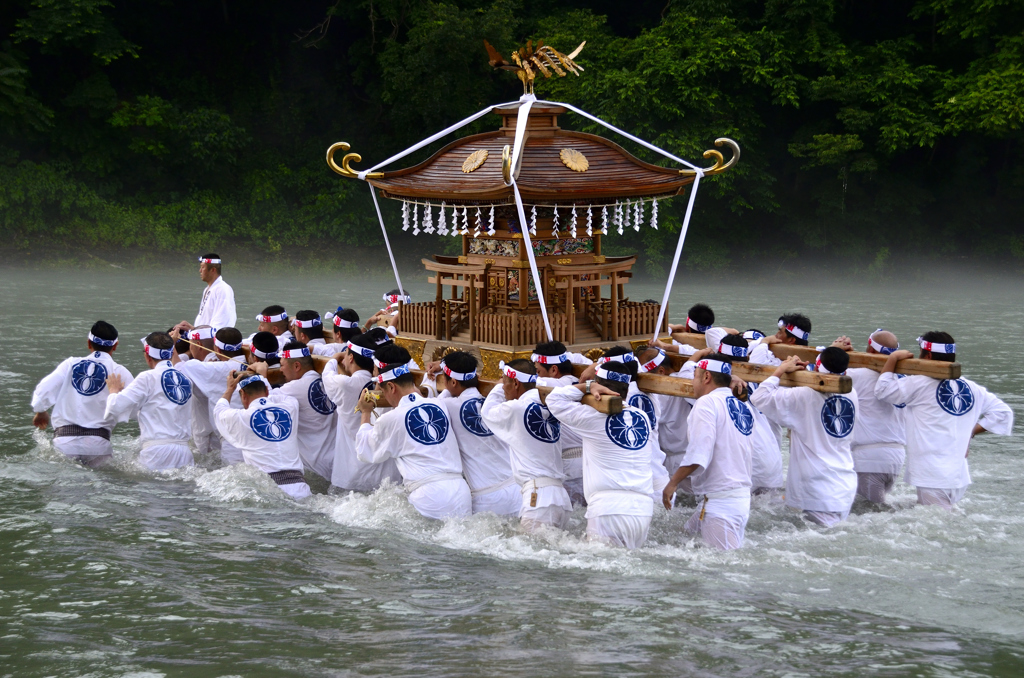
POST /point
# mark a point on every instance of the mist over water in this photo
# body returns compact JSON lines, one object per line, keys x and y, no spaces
{"x":208,"y":572}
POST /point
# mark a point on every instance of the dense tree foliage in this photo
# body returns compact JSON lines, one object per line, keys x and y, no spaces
{"x":867,"y":127}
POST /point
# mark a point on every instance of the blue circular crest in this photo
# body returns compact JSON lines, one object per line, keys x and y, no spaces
{"x":272,"y":424}
{"x":740,"y":415}
{"x":427,"y":424}
{"x":88,"y":378}
{"x":541,"y":425}
{"x":955,"y":397}
{"x":628,"y":430}
{"x":176,"y":386}
{"x":837,"y":416}
{"x":469,"y":415}
{"x":642,"y":401}
{"x":318,"y":399}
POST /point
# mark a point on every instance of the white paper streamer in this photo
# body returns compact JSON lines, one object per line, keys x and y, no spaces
{"x":604,"y":220}
{"x":415,"y":219}
{"x":572,"y":223}
{"x":554,"y":225}
{"x":479,"y":223}
{"x":533,"y":221}
{"x":654,"y":214}
{"x":405,"y":216}
{"x":442,"y":227}
{"x":490,"y":228}
{"x":590,"y":221}
{"x":455,"y":221}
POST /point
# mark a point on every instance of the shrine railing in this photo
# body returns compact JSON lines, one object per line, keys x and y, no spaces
{"x":418,"y":318}
{"x":518,"y":330}
{"x":638,"y":318}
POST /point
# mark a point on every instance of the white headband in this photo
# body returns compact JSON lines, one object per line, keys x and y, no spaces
{"x":208,"y":261}
{"x":715,"y":366}
{"x":692,"y":324}
{"x":734,"y":351}
{"x":260,"y":354}
{"x":102,"y":342}
{"x":936,"y":348}
{"x":306,"y":324}
{"x":457,"y":376}
{"x":202,"y":333}
{"x":624,"y":358}
{"x":226,"y":347}
{"x":392,"y":374}
{"x":549,"y":359}
{"x":518,"y":376}
{"x":654,"y":363}
{"x":794,"y":330}
{"x":395,"y":298}
{"x":365,"y":352}
{"x":346,"y":324}
{"x":752,"y":335}
{"x":884,"y":350}
{"x":293,"y":353}
{"x":249,"y":380}
{"x":283,"y":315}
{"x":613,"y":376}
{"x":156,"y":353}
{"x":818,"y":367}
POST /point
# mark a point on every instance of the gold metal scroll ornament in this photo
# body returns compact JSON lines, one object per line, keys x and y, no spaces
{"x":475,"y":159}
{"x":720,"y":164}
{"x":574,"y":160}
{"x":345,"y":170}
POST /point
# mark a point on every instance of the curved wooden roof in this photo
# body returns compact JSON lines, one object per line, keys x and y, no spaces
{"x":543,"y":178}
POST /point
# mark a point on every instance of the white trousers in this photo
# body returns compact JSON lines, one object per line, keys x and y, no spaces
{"x":296,"y":490}
{"x":826,"y":518}
{"x":874,"y":486}
{"x":229,"y":454}
{"x":618,"y":530}
{"x":83,"y":446}
{"x":724,"y":522}
{"x":574,"y":487}
{"x":505,"y":502}
{"x":442,"y":499}
{"x":166,"y":457}
{"x":946,"y":498}
{"x":553,"y":508}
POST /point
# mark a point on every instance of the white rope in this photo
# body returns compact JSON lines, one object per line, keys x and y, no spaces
{"x":625,"y":134}
{"x":432,"y":139}
{"x":679,"y":252}
{"x":394,"y":266}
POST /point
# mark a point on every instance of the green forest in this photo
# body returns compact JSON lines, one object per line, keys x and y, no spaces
{"x":870,"y":130}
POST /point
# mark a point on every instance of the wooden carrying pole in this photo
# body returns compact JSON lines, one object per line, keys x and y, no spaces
{"x":875,"y":361}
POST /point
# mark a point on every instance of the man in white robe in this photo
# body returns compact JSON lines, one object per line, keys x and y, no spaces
{"x":345,"y":377}
{"x":273,"y":319}
{"x":417,"y":434}
{"x":217,"y":307}
{"x":160,"y":399}
{"x":794,"y":330}
{"x":264,"y":430}
{"x":880,"y":438}
{"x":485,"y":458}
{"x":942,"y":416}
{"x":554,"y":365}
{"x":699,"y":319}
{"x":318,"y":417}
{"x":821,"y":481}
{"x":718,"y":458}
{"x":77,"y":392}
{"x":516,"y":415}
{"x":617,"y":451}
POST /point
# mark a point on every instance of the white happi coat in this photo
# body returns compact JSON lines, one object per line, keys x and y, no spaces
{"x":77,"y":392}
{"x":485,"y":457}
{"x":721,"y":434}
{"x":767,"y":469}
{"x":217,"y":309}
{"x":318,"y":422}
{"x":940,"y":416}
{"x":617,"y":454}
{"x":160,"y":399}
{"x":210,"y":379}
{"x":417,"y":435}
{"x":321,"y":347}
{"x":282,"y":339}
{"x":533,"y":436}
{"x":880,"y":438}
{"x":672,"y":412}
{"x":573,"y":466}
{"x":652,"y":408}
{"x":761,"y":353}
{"x":821,"y":475}
{"x":348,"y":472}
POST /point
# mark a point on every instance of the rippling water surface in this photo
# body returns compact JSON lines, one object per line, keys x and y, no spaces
{"x":124,"y":572}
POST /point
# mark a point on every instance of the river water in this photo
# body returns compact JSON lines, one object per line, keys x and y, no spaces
{"x":124,"y":572}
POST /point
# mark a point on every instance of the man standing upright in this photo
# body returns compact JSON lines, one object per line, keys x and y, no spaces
{"x":217,"y":309}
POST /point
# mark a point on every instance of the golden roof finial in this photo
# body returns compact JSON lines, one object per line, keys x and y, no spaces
{"x":528,"y":62}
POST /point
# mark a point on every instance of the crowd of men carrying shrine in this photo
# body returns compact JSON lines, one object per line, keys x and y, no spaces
{"x":358,"y":411}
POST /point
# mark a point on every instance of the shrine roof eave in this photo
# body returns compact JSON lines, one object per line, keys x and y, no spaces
{"x":544,"y":178}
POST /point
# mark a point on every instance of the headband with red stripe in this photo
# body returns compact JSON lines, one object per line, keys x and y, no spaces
{"x":693,"y":325}
{"x":202,"y":333}
{"x":550,"y":359}
{"x":155,"y":353}
{"x":260,"y":354}
{"x":344,"y":324}
{"x":293,"y":353}
{"x":654,"y":363}
{"x":393,"y":373}
{"x":361,"y":350}
{"x":794,"y":330}
{"x":602,"y":373}
{"x":818,"y":367}
{"x":884,"y":350}
{"x":457,"y":376}
{"x":936,"y":348}
{"x":623,"y":358}
{"x":208,"y":261}
{"x":514,"y":374}
{"x":715,"y":366}
{"x":283,"y":315}
{"x":734,"y":351}
{"x":395,"y":298}
{"x":306,"y":324}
